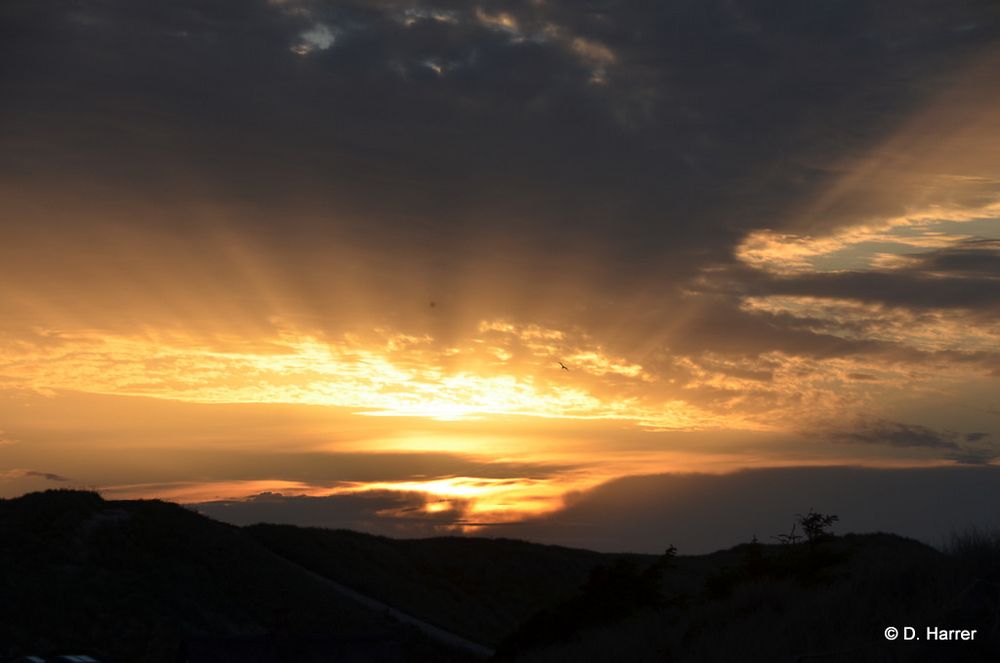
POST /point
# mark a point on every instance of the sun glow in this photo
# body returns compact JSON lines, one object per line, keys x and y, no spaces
{"x":470,"y":501}
{"x":507,"y":371}
{"x":482,"y":500}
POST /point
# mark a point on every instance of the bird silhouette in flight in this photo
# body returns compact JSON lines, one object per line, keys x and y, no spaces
{"x":563,"y":366}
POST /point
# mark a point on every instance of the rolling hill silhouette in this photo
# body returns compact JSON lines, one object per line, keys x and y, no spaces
{"x":151,"y":581}
{"x":137,"y":580}
{"x":481,"y":588}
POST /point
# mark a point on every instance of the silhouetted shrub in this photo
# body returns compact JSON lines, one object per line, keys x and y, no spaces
{"x":806,"y":561}
{"x":978,"y":551}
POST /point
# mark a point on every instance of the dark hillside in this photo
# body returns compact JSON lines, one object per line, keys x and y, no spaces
{"x":133,"y":580}
{"x":147,"y":581}
{"x":828,"y":602}
{"x":480,"y":588}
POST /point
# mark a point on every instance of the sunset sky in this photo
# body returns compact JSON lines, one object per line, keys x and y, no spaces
{"x":320,"y":262}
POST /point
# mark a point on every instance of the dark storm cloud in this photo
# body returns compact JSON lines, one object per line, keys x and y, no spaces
{"x":705,"y":119}
{"x":637,"y":142}
{"x":702,"y":513}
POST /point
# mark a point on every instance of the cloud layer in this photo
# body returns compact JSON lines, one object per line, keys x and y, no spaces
{"x":697,"y":513}
{"x":750,"y":219}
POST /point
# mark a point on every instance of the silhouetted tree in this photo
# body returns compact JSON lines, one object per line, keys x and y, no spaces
{"x":815,"y":525}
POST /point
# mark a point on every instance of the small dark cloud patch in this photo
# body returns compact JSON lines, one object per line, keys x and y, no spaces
{"x":22,"y":473}
{"x":897,"y":434}
{"x":978,"y":449}
{"x":971,"y":258}
{"x":914,"y":289}
{"x":968,"y":449}
{"x":49,"y":476}
{"x":974,"y":456}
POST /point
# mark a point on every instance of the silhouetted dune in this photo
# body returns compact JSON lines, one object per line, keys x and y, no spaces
{"x":481,"y":588}
{"x":154,"y":582}
{"x":832,"y":601}
{"x":133,"y":579}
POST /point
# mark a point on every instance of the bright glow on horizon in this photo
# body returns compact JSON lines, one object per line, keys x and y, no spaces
{"x":395,"y":375}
